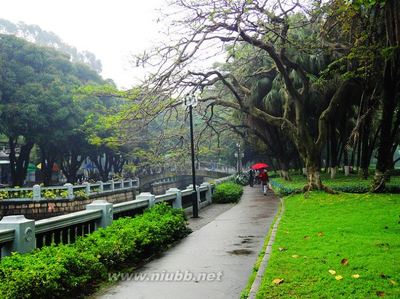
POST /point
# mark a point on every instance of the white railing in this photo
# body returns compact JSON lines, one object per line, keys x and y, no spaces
{"x":69,"y":191}
{"x":18,"y":234}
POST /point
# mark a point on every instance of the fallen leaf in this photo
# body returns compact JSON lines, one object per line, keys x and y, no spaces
{"x":392,"y":282}
{"x":383,"y":275}
{"x":306,"y":237}
{"x":320,"y":234}
{"x":333,"y":272}
{"x":380,"y":293}
{"x":282,"y":249}
{"x":355,"y":276}
{"x":295,"y":256}
{"x":338,"y":277}
{"x":277,"y":281}
{"x":344,"y":262}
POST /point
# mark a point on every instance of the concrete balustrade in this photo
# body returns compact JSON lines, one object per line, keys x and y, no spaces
{"x":87,"y":187}
{"x":177,"y":203}
{"x":17,"y":234}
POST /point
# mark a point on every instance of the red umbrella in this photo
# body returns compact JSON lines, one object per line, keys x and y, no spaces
{"x":258,"y":166}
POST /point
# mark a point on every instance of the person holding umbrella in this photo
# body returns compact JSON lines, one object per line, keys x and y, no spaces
{"x":262,"y":176}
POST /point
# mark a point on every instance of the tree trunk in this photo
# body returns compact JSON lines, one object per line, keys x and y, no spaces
{"x":346,"y":165}
{"x":47,"y":163}
{"x":314,"y":176}
{"x":104,"y":166}
{"x":19,"y":166}
{"x":390,"y":98}
{"x":365,"y":148}
{"x":313,"y":165}
{"x":334,"y":152}
{"x":70,"y":166}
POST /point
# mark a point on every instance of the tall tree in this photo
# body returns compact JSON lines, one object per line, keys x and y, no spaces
{"x":272,"y":30}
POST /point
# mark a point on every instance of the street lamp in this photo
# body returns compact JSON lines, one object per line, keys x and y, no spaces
{"x":190,"y":101}
{"x":239,"y":157}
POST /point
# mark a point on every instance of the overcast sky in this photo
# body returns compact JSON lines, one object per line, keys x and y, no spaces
{"x":109,"y":29}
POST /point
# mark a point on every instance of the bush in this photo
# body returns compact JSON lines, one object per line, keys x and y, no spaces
{"x":227,"y":192}
{"x":74,"y":270}
{"x":242,"y":178}
{"x":52,"y":272}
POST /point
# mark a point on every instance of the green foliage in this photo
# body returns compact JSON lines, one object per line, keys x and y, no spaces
{"x":131,"y":240}
{"x":52,"y":272}
{"x":3,"y":194}
{"x":341,"y":183}
{"x":80,"y":194}
{"x":16,"y":194}
{"x":242,"y":178}
{"x":348,"y":233}
{"x":71,"y":271}
{"x":227,"y":192}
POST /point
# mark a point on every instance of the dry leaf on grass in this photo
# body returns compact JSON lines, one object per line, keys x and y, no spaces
{"x":282,"y":248}
{"x":277,"y":281}
{"x":392,"y":282}
{"x":338,"y":277}
{"x":295,"y":256}
{"x":355,"y":276}
{"x":320,"y":234}
{"x":306,"y":237}
{"x":333,"y":272}
{"x":380,"y":293}
{"x":344,"y":262}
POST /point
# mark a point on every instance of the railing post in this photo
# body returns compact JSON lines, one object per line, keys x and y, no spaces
{"x":101,"y":186}
{"x":208,"y":192}
{"x":112,"y":185}
{"x":147,"y":195}
{"x":36,"y":192}
{"x":107,"y":211}
{"x":122,"y":184}
{"x":130,"y":182}
{"x":197,"y":191}
{"x":24,"y":234}
{"x":87,"y":188}
{"x":177,"y":203}
{"x":70,"y":190}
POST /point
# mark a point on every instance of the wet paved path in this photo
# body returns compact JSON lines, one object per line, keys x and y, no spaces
{"x":222,"y":251}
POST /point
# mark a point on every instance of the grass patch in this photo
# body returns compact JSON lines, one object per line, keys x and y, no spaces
{"x":352,"y":234}
{"x":352,"y":183}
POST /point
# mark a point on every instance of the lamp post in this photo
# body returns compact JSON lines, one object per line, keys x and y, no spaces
{"x":190,"y":101}
{"x":239,"y":157}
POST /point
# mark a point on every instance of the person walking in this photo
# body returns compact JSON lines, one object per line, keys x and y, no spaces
{"x":251,"y":177}
{"x":263,"y":176}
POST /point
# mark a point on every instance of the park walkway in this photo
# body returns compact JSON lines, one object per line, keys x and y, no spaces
{"x":217,"y":258}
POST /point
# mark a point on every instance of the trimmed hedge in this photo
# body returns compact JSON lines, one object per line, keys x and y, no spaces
{"x":75,"y":270}
{"x":227,"y":192}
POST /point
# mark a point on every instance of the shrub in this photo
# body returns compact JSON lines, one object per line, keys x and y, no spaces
{"x":227,"y":192}
{"x":242,"y":179}
{"x":52,"y":272}
{"x":74,"y":270}
{"x":80,"y":195}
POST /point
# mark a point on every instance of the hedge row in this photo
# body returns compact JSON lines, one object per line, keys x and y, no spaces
{"x":227,"y":192}
{"x":74,"y":270}
{"x":285,"y":191}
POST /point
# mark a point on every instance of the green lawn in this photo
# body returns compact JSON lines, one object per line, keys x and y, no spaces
{"x":299,"y":181}
{"x":319,"y":233}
